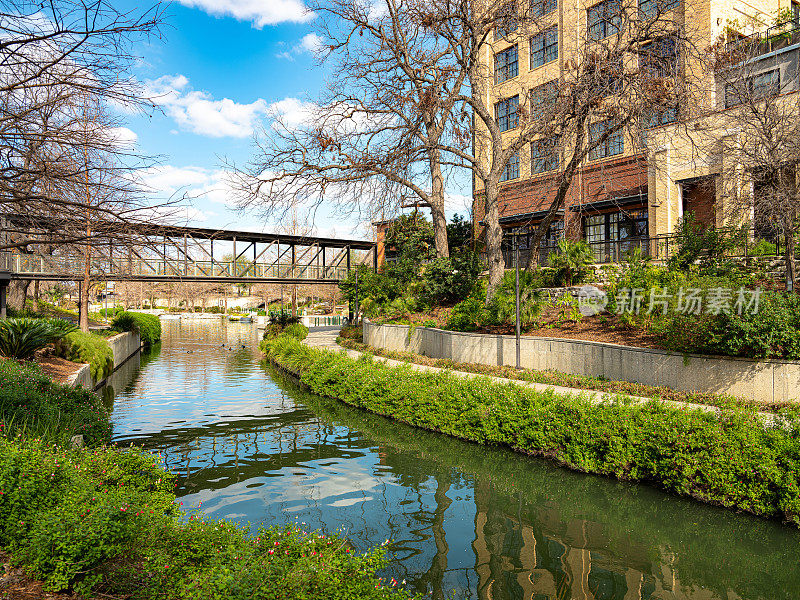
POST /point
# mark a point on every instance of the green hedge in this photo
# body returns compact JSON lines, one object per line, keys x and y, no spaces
{"x":31,"y":404}
{"x":729,"y":459}
{"x":297,"y":331}
{"x":148,"y":326}
{"x":107,"y":521}
{"x":87,"y":348}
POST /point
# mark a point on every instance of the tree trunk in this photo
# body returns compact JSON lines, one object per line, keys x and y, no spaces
{"x":17,"y":294}
{"x":791,"y":265}
{"x":494,"y":240}
{"x":83,"y":305}
{"x":294,"y":300}
{"x":436,"y":202}
{"x":36,"y":295}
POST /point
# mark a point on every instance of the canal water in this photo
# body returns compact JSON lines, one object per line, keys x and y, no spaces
{"x":464,"y":521}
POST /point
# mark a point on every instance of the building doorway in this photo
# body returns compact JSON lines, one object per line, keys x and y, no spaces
{"x":699,"y":199}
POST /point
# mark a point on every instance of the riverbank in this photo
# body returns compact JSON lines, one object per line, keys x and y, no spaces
{"x":105,"y":522}
{"x":726,"y":457}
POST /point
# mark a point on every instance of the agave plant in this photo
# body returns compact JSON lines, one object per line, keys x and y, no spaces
{"x":20,"y":338}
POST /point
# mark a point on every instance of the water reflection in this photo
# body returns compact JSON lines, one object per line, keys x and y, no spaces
{"x":476,"y":522}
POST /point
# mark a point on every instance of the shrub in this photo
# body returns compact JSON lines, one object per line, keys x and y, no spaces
{"x":21,"y":337}
{"x":571,"y":261}
{"x":350,"y":332}
{"x":282,"y":318}
{"x":31,"y":404}
{"x":448,"y":279}
{"x":731,"y":459}
{"x":148,"y":326}
{"x":88,"y":348}
{"x":502,"y":307}
{"x":466,"y":315}
{"x":107,"y":520}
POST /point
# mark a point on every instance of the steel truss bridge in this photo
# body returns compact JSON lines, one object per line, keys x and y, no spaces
{"x":159,"y":253}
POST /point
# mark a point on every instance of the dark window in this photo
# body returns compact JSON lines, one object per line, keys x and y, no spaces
{"x":662,"y":115}
{"x":542,"y":7}
{"x":544,"y":98}
{"x":511,"y":170}
{"x":621,"y":227}
{"x":603,"y":20}
{"x":649,"y":9}
{"x":506,"y":64}
{"x":506,"y":21}
{"x":611,"y":146}
{"x":659,"y":59}
{"x":795,"y":13}
{"x":757,"y":86}
{"x":507,"y":113}
{"x":544,"y":47}
{"x":544,"y":155}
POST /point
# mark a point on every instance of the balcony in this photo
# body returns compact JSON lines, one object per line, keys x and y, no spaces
{"x":774,"y":38}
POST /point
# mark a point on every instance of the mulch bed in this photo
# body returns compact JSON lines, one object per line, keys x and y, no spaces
{"x":15,"y":585}
{"x":59,"y":369}
{"x":598,"y":328}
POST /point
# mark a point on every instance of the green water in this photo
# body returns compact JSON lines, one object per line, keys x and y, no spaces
{"x":464,"y":520}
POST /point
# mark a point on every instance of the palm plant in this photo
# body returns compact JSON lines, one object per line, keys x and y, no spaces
{"x":571,"y":259}
{"x":20,"y":338}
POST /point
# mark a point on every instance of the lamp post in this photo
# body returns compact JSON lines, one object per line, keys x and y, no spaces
{"x":516,"y":294}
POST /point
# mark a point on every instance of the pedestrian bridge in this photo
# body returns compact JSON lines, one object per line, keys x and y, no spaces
{"x":165,"y":253}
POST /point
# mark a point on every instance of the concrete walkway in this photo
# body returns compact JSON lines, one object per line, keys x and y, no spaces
{"x":325,"y":339}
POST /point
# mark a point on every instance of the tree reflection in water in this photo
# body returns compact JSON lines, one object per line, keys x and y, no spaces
{"x":463,"y":519}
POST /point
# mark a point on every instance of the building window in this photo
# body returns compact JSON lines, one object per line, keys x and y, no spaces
{"x":795,"y":13}
{"x":507,"y":113}
{"x":649,"y":9}
{"x":662,"y":115}
{"x":506,"y":21}
{"x":612,"y":234}
{"x":544,"y":155}
{"x":511,"y":170}
{"x":612,"y":145}
{"x":544,"y":98}
{"x":544,"y":47}
{"x":540,"y":8}
{"x":603,"y":20}
{"x":659,"y":59}
{"x":506,"y":64}
{"x":752,"y":88}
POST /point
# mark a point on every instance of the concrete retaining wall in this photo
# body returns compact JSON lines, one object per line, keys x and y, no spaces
{"x":123,"y":346}
{"x":763,"y":381}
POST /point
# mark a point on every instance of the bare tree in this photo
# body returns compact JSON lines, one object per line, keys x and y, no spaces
{"x":50,"y":53}
{"x":375,"y":137}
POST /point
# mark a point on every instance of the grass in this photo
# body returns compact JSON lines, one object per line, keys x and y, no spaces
{"x":728,"y":459}
{"x":557,"y":378}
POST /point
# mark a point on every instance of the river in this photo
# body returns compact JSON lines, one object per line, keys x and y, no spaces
{"x":464,"y":521}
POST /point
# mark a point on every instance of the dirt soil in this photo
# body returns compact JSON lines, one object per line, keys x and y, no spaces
{"x":59,"y":369}
{"x":598,"y":328}
{"x":15,"y":585}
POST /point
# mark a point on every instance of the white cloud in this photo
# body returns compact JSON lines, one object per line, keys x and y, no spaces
{"x":197,"y":111}
{"x":310,"y":43}
{"x":123,"y":137}
{"x":291,"y":112}
{"x":258,"y":12}
{"x":195,"y":183}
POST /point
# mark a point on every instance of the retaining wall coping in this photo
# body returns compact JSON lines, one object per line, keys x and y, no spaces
{"x":658,"y":351}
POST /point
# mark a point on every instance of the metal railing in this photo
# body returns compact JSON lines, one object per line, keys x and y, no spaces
{"x":658,"y":248}
{"x":31,"y":264}
{"x":773,"y":38}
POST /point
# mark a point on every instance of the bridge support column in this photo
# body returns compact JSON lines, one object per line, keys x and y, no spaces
{"x":4,"y":280}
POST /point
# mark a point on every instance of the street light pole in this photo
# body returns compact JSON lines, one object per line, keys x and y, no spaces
{"x":516,"y":293}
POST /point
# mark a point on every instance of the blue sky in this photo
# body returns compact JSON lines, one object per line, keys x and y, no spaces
{"x":222,"y":68}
